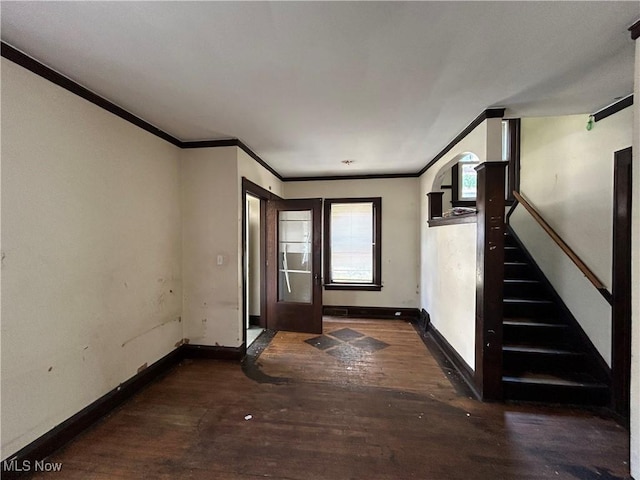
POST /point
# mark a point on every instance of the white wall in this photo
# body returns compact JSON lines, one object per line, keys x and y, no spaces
{"x":448,"y":253}
{"x":210,"y":199}
{"x":399,"y":237}
{"x":212,"y":227}
{"x":450,"y":285}
{"x":91,"y":274}
{"x":567,"y":175}
{"x":635,"y":307}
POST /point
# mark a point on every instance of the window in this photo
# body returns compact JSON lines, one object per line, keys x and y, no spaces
{"x":352,"y":254}
{"x":463,"y":174}
{"x":464,"y":181}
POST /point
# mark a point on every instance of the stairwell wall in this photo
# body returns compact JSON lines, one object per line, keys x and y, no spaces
{"x":567,"y":175}
{"x":448,"y":253}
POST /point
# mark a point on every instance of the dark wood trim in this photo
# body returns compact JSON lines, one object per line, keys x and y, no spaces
{"x":257,"y":191}
{"x":435,"y":204}
{"x":512,"y":207}
{"x":424,"y":320}
{"x":513,"y":158}
{"x":455,"y":220}
{"x":635,"y":30}
{"x":248,"y":187}
{"x":489,"y":279}
{"x":371,"y":312}
{"x":463,"y":203}
{"x":464,"y":371}
{"x":364,"y":287}
{"x":350,"y":177}
{"x":455,"y":189}
{"x":600,"y":365}
{"x":231,"y":142}
{"x":621,"y":285}
{"x":489,"y":113}
{"x":224,"y":142}
{"x":66,"y":431}
{"x":255,"y":156}
{"x":214,"y":352}
{"x":455,"y":183}
{"x":31,"y":64}
{"x":377,"y":251}
{"x":613,"y":108}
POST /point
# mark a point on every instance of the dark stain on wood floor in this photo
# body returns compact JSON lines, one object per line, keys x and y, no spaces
{"x":294,"y":411}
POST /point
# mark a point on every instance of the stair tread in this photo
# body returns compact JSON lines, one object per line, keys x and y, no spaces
{"x":549,"y":379}
{"x":525,"y":348}
{"x":521,"y":280}
{"x":528,"y":322}
{"x":528,"y":300}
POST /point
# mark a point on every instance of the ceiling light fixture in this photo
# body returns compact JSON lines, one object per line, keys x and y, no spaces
{"x":348,"y":162}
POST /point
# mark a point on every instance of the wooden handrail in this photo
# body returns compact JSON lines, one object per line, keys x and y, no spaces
{"x":564,"y":247}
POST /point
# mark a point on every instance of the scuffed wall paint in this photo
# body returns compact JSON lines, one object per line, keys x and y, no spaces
{"x":91,"y":278}
{"x":210,"y":199}
{"x":447,"y":274}
{"x":567,"y":175}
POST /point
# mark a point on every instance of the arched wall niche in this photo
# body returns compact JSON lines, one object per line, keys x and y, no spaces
{"x":443,"y":177}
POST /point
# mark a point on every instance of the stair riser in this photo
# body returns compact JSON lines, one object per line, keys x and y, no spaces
{"x":548,"y":363}
{"x":556,"y":394}
{"x":546,"y":336}
{"x":514,"y":272}
{"x":524,"y":290}
{"x":509,"y":241}
{"x":513,"y":255}
{"x":529,"y":310}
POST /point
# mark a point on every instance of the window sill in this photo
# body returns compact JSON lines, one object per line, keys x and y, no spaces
{"x":370,"y":287}
{"x":437,"y":222}
{"x":463,"y":203}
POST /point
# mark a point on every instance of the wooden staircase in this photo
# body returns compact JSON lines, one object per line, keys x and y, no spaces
{"x":545,"y":355}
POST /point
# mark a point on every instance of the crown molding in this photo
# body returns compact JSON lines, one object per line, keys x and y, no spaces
{"x":613,"y":108}
{"x":33,"y":65}
{"x":489,"y":113}
{"x":350,"y":177}
{"x":635,"y":30}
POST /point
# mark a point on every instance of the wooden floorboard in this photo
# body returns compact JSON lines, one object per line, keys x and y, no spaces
{"x":374,"y":406}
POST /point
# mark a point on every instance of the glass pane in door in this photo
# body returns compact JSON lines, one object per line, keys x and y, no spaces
{"x":294,"y":256}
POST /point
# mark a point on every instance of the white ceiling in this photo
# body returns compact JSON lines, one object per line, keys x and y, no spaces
{"x":309,"y":84}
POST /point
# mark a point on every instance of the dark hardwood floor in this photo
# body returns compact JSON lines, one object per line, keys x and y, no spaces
{"x":366,"y":400}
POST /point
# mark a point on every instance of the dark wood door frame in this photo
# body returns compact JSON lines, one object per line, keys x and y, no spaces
{"x":621,"y":285}
{"x":250,"y":188}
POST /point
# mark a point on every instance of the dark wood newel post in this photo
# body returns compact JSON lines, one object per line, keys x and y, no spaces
{"x":435,"y":204}
{"x":490,"y":279}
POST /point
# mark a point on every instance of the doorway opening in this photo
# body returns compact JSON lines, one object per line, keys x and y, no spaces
{"x":253,"y":264}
